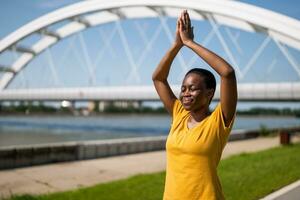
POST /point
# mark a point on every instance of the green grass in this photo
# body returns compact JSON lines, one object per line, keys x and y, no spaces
{"x":244,"y":176}
{"x":252,"y":176}
{"x":143,"y":187}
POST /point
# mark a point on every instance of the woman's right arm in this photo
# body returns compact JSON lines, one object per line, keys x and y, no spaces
{"x":160,"y":75}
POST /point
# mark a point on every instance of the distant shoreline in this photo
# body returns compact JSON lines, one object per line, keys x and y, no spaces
{"x":126,"y":113}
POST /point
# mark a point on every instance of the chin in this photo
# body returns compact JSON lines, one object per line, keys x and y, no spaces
{"x":187,"y":108}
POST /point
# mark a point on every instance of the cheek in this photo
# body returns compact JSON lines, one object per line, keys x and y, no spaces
{"x":180,"y":95}
{"x":200,"y":96}
{"x":197,"y":94}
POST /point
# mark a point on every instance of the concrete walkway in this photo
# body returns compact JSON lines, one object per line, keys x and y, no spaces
{"x":289,"y":192}
{"x":72,"y":175}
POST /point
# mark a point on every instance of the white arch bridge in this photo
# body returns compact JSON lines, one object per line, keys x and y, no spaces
{"x":283,"y":31}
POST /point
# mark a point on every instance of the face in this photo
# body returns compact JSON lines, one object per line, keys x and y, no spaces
{"x":194,"y":95}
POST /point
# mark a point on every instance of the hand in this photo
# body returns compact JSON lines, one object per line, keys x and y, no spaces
{"x":185,"y":28}
{"x":178,"y":41}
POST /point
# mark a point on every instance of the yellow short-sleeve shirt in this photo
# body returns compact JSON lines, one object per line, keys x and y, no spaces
{"x":193,"y":156}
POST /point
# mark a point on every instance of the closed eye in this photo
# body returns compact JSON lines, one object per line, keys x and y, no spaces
{"x":191,"y":89}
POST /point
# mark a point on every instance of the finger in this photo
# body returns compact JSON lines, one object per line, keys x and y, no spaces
{"x":181,"y":27}
{"x":187,"y":14}
{"x":182,"y":23}
{"x":178,"y":18}
{"x":188,"y":19}
{"x":177,"y":23}
{"x":185,"y":18}
{"x":192,"y":32}
{"x":182,"y":16}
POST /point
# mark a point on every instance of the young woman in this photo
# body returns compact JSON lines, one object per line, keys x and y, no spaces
{"x":197,"y":138}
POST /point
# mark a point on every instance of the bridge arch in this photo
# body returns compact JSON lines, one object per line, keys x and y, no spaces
{"x":246,"y":17}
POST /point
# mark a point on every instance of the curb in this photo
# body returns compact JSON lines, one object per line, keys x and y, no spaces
{"x":289,"y":192}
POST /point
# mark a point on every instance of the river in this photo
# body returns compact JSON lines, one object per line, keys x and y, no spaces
{"x":24,"y":130}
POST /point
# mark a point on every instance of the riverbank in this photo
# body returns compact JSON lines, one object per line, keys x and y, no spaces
{"x":29,"y":155}
{"x":99,"y":114}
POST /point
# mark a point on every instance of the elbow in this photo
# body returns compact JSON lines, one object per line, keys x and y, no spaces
{"x":156,"y":77}
{"x":229,"y":72}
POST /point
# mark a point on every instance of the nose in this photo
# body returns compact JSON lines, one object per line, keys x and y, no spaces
{"x":186,"y":92}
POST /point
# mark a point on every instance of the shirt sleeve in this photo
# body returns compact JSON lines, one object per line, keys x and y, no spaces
{"x":219,"y":119}
{"x":177,"y":109}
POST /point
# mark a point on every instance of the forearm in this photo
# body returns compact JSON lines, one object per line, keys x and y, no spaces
{"x":216,"y":62}
{"x":162,"y":71}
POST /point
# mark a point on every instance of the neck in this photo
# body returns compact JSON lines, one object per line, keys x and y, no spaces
{"x":199,"y":115}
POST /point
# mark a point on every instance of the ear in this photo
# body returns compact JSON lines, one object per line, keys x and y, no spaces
{"x":210,"y":93}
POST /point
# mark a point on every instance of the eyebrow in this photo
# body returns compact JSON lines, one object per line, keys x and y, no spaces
{"x":188,"y":85}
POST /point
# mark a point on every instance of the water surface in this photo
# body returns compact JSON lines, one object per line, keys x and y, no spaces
{"x":19,"y":130}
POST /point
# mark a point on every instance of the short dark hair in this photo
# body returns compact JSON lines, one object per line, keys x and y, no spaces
{"x":209,"y":78}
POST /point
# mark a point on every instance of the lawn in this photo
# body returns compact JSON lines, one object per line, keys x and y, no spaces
{"x":244,"y":176}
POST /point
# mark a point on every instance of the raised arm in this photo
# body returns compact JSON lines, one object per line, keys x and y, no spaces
{"x":228,"y":96}
{"x":161,"y":73}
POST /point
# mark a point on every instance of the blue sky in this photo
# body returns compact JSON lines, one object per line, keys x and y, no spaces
{"x":15,"y":13}
{"x":20,"y":12}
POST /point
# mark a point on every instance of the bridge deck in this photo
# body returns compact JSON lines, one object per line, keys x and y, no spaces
{"x":246,"y":92}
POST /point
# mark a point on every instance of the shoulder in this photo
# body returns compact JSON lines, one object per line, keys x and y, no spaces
{"x":218,"y":117}
{"x":178,"y":110}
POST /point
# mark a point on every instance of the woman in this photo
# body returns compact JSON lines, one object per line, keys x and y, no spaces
{"x":197,"y":138}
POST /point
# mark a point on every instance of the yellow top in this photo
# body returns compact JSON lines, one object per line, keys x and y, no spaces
{"x":193,"y":156}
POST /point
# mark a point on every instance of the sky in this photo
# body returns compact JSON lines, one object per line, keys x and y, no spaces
{"x":15,"y":13}
{"x":20,"y":12}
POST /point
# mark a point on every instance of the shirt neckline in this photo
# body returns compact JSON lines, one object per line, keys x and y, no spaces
{"x":198,"y":124}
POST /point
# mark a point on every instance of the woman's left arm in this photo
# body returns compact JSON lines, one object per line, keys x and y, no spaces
{"x":228,"y":90}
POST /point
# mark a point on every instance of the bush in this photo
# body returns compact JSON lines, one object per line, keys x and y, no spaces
{"x":264,"y":131}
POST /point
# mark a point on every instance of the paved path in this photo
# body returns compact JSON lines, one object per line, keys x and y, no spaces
{"x":289,"y":192}
{"x":71,"y":175}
